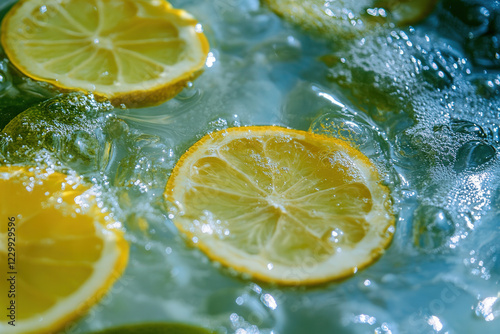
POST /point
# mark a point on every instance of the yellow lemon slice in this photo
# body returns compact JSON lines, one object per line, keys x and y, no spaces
{"x":155,"y":328}
{"x":59,"y":253}
{"x":284,"y":206}
{"x":135,"y":52}
{"x":350,"y":18}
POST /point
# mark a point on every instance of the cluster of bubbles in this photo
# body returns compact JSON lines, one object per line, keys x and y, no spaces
{"x":437,"y":101}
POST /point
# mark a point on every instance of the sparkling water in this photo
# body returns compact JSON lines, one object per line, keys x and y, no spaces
{"x":422,"y":102}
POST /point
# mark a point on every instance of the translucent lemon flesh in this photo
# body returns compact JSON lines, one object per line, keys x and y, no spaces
{"x":284,"y":206}
{"x":61,"y":254}
{"x":133,"y":52}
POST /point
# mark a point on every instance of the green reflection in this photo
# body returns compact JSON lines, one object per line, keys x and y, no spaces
{"x":155,"y":328}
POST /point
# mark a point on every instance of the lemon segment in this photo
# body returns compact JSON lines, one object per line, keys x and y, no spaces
{"x":132,"y":52}
{"x":64,"y":253}
{"x":284,"y":206}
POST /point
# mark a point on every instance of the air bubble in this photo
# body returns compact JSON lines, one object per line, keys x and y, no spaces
{"x":468,"y":128}
{"x":473,"y":154}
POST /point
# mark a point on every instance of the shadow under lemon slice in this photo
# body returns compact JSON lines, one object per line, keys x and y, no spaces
{"x":283,"y":206}
{"x":60,"y":253}
{"x":350,"y":18}
{"x":133,"y":52}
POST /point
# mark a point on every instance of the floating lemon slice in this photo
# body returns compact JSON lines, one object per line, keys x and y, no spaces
{"x":135,"y":52}
{"x":349,"y":18}
{"x":155,"y":328}
{"x":284,"y":206}
{"x":59,"y":253}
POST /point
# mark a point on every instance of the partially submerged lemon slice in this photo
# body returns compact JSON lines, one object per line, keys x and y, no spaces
{"x":135,"y":52}
{"x":284,"y":206}
{"x":350,"y":18}
{"x":59,"y":253}
{"x":155,"y":328}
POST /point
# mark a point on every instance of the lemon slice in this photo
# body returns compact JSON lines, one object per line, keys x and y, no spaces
{"x":155,"y":328}
{"x":284,"y":206}
{"x":135,"y":52}
{"x":350,"y":18}
{"x":59,"y":253}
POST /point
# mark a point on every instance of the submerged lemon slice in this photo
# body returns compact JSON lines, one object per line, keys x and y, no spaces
{"x":59,"y":253}
{"x":136,"y":52}
{"x":350,"y":18}
{"x":281,"y":205}
{"x":155,"y":328}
